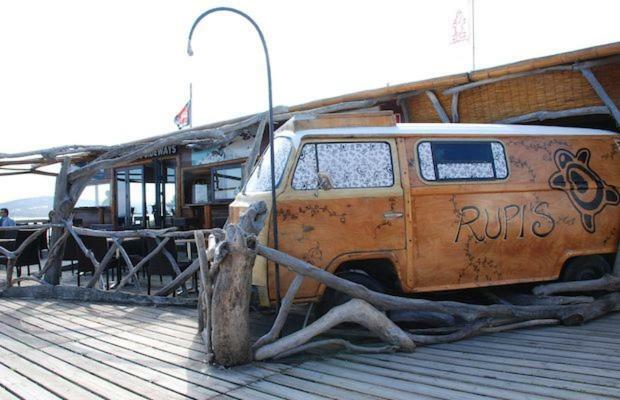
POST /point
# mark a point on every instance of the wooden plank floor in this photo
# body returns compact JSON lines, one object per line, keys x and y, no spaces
{"x":51,"y":350}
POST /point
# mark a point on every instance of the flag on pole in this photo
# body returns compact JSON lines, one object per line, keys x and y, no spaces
{"x":182,"y":119}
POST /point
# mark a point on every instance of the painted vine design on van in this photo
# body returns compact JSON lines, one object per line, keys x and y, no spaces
{"x":546,"y":147}
{"x":586,"y":190}
{"x":505,"y":217}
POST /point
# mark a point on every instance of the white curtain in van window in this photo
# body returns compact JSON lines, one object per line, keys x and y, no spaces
{"x":425,"y":154}
{"x":465,"y":171}
{"x":357,"y":164}
{"x":499,"y":159}
{"x":305,"y":176}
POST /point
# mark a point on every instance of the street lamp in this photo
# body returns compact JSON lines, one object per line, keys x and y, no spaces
{"x":190,"y":53}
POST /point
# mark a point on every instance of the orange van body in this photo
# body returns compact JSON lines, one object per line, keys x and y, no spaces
{"x":448,"y":223}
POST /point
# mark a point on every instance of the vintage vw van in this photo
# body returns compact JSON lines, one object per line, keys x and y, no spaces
{"x":412,"y":208}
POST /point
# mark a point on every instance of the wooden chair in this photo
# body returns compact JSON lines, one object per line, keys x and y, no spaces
{"x":71,"y":252}
{"x":159,"y":264}
{"x":99,"y":247}
{"x":43,"y":243}
{"x":30,"y":255}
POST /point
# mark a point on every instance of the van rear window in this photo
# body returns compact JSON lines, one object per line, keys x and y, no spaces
{"x":462,"y":160}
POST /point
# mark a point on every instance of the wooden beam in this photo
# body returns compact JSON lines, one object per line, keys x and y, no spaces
{"x":545,"y":115}
{"x":574,"y":67}
{"x":438,"y":107}
{"x":472,"y":85}
{"x":86,"y":295}
{"x":455,"y":107}
{"x":258,"y":139}
{"x":178,"y":280}
{"x":53,"y":152}
{"x":401,"y":101}
{"x":602,"y":94}
{"x":59,"y":214}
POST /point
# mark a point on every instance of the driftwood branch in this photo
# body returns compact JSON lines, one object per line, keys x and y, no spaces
{"x":173,"y":264}
{"x":178,"y":280}
{"x":546,"y":115}
{"x":135,"y":269}
{"x":205,"y":293}
{"x":437,"y":105}
{"x":602,"y":94}
{"x":53,"y":250}
{"x":285,"y":307}
{"x":82,"y":294}
{"x":357,"y":311}
{"x":569,"y":314}
{"x":142,"y":233}
{"x":258,"y":139}
{"x":101,"y":266}
{"x":607,"y":283}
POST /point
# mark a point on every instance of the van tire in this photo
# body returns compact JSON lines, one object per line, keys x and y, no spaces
{"x":333,"y":298}
{"x":585,"y":268}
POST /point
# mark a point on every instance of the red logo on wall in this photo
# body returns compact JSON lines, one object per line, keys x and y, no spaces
{"x":459,"y":28}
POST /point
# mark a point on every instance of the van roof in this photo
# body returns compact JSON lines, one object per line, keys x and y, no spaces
{"x":297,"y":131}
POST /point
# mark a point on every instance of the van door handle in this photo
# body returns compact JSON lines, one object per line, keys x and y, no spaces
{"x":392,"y":215}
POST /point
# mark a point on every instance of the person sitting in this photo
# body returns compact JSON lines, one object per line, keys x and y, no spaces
{"x":5,"y":220}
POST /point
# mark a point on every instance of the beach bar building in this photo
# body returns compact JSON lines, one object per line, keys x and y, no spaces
{"x":189,"y":182}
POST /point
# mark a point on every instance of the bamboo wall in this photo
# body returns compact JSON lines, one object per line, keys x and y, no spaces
{"x":551,"y":91}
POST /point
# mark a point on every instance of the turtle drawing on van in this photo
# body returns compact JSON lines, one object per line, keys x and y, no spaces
{"x":417,"y":208}
{"x":588,"y":193}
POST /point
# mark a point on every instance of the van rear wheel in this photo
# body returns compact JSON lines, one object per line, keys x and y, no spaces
{"x":585,"y":268}
{"x":333,"y":298}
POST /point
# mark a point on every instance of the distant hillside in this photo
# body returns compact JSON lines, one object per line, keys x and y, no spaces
{"x":33,"y":207}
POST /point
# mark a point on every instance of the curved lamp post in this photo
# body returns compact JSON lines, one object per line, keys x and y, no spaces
{"x":190,"y":53}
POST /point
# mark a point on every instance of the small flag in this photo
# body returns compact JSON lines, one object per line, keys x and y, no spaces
{"x":183,"y":118}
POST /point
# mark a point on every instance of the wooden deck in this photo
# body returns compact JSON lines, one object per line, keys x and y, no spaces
{"x":52,"y":350}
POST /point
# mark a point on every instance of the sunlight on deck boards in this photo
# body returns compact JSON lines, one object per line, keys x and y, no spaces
{"x":52,"y":350}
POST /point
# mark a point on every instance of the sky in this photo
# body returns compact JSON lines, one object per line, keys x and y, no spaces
{"x":95,"y":72}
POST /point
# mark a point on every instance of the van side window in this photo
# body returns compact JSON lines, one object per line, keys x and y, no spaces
{"x":306,"y":172}
{"x":463,"y":160}
{"x":348,"y":165}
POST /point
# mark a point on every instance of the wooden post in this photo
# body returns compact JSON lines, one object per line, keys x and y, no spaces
{"x":65,"y":196}
{"x":61,"y":195}
{"x":205,"y":291}
{"x":231,"y":271}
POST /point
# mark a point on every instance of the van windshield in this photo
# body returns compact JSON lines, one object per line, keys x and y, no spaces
{"x":260,"y":180}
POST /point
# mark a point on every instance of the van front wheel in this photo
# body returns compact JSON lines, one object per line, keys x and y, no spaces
{"x":332,"y":298}
{"x":585,"y":268}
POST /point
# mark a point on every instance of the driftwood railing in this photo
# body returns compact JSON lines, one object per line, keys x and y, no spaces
{"x":12,"y":255}
{"x":97,"y":290}
{"x":225,"y":271}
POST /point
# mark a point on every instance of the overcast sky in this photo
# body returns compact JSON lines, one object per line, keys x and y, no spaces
{"x":85,"y":72}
